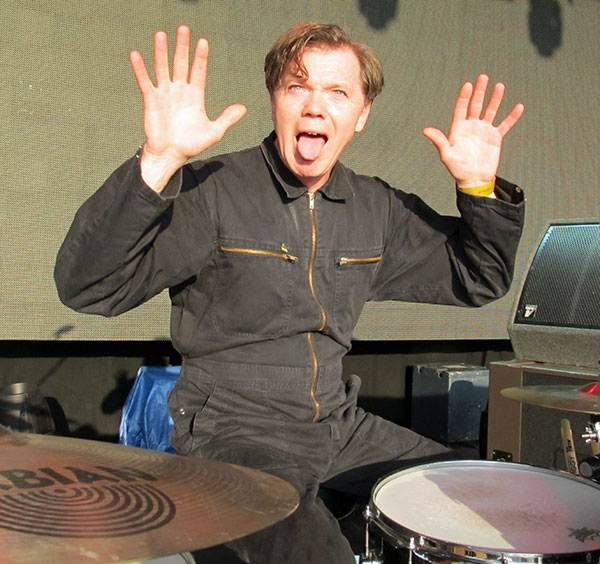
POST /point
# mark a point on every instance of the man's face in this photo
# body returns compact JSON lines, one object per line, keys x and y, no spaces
{"x":316,"y":116}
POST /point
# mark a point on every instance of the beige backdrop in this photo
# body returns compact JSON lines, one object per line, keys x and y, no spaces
{"x":70,"y":113}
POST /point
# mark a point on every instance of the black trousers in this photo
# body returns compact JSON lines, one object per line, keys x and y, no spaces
{"x":265,"y":423}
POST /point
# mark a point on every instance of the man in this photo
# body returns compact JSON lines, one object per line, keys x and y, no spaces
{"x":270,"y":255}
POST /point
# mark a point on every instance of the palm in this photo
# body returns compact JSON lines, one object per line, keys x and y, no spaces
{"x":175,"y":120}
{"x":471,"y":152}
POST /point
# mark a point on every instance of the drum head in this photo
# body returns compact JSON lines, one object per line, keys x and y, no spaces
{"x":497,"y":506}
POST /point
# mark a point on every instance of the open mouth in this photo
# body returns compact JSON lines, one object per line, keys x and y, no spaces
{"x":310,"y":144}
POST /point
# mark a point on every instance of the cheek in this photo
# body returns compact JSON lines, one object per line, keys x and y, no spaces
{"x":343,"y":118}
{"x":348,"y":127}
{"x":281,"y":117}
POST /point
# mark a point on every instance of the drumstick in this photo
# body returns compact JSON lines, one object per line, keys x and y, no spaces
{"x":568,"y":448}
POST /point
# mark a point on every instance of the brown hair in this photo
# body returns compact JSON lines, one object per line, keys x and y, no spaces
{"x":290,"y":47}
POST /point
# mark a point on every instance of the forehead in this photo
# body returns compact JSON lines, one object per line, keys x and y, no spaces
{"x":336,"y":64}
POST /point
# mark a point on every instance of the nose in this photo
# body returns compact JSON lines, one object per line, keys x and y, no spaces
{"x":314,"y":104}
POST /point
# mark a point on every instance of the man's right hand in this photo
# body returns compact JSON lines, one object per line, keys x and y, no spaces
{"x":175,"y":121}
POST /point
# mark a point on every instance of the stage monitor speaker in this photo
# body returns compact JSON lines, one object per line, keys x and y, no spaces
{"x":531,"y":434}
{"x":556,"y":315}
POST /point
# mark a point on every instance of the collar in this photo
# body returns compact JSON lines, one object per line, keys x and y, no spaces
{"x":338,"y":187}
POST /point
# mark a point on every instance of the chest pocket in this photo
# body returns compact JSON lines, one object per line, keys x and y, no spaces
{"x":353,"y":278}
{"x":253,"y":296}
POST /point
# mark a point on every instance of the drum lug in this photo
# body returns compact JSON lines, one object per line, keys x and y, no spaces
{"x":371,"y":558}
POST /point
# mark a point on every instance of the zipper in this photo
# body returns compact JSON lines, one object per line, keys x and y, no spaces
{"x":313,"y":255}
{"x":284,"y":254}
{"x":313,"y":385}
{"x":345,"y":260}
{"x":311,"y":284}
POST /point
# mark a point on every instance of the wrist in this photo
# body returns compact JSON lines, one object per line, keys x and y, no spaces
{"x":479,"y":189}
{"x":157,"y":170}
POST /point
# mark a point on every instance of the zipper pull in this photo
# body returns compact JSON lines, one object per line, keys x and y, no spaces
{"x":311,"y":201}
{"x":286,"y":252}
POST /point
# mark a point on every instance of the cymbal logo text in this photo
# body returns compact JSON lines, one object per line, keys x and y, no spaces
{"x":101,"y":501}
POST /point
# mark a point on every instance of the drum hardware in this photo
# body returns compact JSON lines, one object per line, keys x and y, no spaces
{"x":592,"y":434}
{"x":72,"y":500}
{"x":583,"y":399}
{"x":590,"y":467}
{"x":23,"y":408}
{"x":371,"y":555}
{"x":375,"y":547}
{"x":486,"y":511}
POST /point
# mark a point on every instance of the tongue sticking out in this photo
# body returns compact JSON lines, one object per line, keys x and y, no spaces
{"x":310,"y":146}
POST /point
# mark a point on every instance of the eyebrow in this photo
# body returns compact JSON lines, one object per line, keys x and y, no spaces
{"x":333,"y":85}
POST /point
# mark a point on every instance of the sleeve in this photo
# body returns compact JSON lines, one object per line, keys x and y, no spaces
{"x":465,"y":261}
{"x":127,"y":243}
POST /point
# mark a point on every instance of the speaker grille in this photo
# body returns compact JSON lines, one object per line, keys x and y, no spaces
{"x":562,"y":287}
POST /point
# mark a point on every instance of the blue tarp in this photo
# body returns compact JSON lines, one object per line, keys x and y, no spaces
{"x":145,"y":422}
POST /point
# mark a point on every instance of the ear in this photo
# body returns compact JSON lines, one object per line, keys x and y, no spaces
{"x":362,"y":119}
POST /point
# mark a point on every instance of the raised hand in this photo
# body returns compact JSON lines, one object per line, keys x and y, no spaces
{"x":471,"y":152}
{"x":176,"y":125}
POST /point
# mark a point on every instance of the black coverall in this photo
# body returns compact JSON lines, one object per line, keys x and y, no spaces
{"x":267,"y":283}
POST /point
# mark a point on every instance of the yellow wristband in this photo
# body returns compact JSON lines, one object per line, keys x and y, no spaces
{"x":483,"y":190}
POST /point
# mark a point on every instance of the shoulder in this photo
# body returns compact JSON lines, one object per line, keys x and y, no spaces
{"x":367,"y":187}
{"x":249,"y":157}
{"x":234,"y":168}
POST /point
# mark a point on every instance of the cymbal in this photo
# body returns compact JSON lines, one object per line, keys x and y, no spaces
{"x":584,"y":399}
{"x":72,"y":500}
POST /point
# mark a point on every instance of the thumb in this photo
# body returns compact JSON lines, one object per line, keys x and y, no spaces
{"x":437,"y":138}
{"x":230,"y":116}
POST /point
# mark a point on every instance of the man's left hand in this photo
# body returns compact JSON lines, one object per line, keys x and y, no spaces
{"x":471,"y":152}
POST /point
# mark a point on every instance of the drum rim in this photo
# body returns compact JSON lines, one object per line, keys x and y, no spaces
{"x":417,"y":542}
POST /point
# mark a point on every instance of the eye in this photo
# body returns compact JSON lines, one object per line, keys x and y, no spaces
{"x":339,"y":93}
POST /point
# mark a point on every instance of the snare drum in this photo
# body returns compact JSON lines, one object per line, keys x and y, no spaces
{"x":481,"y":511}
